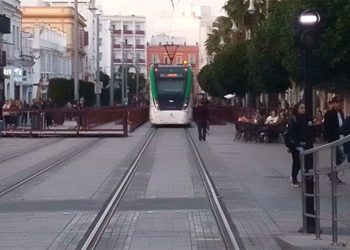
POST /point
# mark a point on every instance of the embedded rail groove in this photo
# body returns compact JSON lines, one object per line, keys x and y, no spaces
{"x":97,"y":228}
{"x":220,"y":216}
{"x":56,"y":163}
{"x":27,"y":150}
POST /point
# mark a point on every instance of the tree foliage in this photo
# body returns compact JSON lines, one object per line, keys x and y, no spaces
{"x":272,"y":57}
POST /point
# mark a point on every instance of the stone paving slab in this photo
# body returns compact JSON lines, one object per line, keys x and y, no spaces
{"x":253,"y":179}
{"x":55,"y":210}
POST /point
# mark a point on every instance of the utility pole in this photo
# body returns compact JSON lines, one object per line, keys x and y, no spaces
{"x":111,"y":82}
{"x":98,"y":96}
{"x":122,"y":75}
{"x":76,"y":53}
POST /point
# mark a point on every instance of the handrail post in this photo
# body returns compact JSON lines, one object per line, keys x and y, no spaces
{"x":317,"y":196}
{"x":125,"y":122}
{"x":334,"y":198}
{"x":303,"y":184}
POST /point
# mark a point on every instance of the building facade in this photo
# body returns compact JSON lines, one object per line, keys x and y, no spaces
{"x":60,"y":19}
{"x":122,"y":39}
{"x":52,"y":59}
{"x":89,"y":11}
{"x":16,"y":80}
{"x":162,"y":48}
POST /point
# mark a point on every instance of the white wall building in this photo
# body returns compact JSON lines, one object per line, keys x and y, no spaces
{"x":19,"y":60}
{"x":191,"y":21}
{"x":89,"y":11}
{"x":129,"y":35}
{"x":53,"y":61}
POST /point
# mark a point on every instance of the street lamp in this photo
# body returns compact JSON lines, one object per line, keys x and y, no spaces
{"x":309,"y":36}
{"x":135,"y":70}
{"x":76,"y":53}
{"x":252,"y":10}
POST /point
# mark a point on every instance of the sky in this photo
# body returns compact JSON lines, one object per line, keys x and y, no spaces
{"x":153,"y":10}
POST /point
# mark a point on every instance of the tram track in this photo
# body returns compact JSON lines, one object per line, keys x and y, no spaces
{"x":27,"y":150}
{"x":96,"y":230}
{"x":66,"y":157}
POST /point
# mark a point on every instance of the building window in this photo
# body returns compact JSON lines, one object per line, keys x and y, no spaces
{"x":100,"y":28}
{"x":125,"y":41}
{"x":125,"y":27}
{"x":192,"y":59}
{"x":138,"y":41}
{"x":100,"y":56}
{"x":100,"y":41}
{"x":179,"y":60}
{"x":18,"y":41}
{"x":14,"y":35}
{"x":155,"y":59}
{"x":138,"y":27}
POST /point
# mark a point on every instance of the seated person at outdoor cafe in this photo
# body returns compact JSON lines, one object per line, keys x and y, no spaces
{"x":258,"y":118}
{"x":272,"y":118}
{"x":243,"y":118}
{"x":318,"y":120}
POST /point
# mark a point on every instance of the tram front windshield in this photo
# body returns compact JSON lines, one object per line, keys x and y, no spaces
{"x":171,"y":93}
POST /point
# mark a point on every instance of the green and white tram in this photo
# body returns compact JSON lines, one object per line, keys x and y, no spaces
{"x":171,"y":94}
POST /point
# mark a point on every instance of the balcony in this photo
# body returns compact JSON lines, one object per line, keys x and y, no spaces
{"x":141,"y":61}
{"x":140,"y":32}
{"x":3,"y":58}
{"x":129,"y":61}
{"x":128,"y":32}
{"x":127,"y":46}
{"x":118,"y":32}
{"x":117,"y":60}
{"x":116,"y":46}
{"x":140,"y":46}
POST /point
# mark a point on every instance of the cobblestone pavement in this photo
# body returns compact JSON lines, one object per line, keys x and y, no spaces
{"x":254,"y":181}
{"x":165,"y":207}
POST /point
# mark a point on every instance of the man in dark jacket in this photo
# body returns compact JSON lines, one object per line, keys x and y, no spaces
{"x":333,"y":120}
{"x":202,"y":120}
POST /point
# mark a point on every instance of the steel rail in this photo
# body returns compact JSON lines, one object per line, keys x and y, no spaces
{"x":97,"y":228}
{"x":27,"y":150}
{"x":220,"y":216}
{"x":32,"y":176}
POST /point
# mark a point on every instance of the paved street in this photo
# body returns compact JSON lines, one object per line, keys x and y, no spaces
{"x":165,"y":206}
{"x":254,"y":181}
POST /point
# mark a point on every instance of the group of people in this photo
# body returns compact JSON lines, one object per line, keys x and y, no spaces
{"x":15,"y":113}
{"x":301,"y":133}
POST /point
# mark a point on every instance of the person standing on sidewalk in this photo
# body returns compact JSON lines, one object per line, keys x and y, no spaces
{"x":299,"y":132}
{"x":333,"y":120}
{"x":202,"y":120}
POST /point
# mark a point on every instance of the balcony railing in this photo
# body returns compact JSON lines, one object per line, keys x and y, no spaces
{"x":129,"y":61}
{"x":140,"y":46}
{"x":141,"y":61}
{"x":139,"y":32}
{"x":118,"y":32}
{"x":127,"y":46}
{"x":128,"y":32}
{"x":116,"y":46}
{"x":117,"y":60}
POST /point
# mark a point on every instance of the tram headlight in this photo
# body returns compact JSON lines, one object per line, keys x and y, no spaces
{"x":156,"y":104}
{"x":185,"y":105}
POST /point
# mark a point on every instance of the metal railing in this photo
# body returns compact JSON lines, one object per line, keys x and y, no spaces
{"x":71,"y":121}
{"x":328,"y":161}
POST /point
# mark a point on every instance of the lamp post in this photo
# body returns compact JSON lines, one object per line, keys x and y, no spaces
{"x":76,"y":53}
{"x":98,"y":95}
{"x":111,"y":80}
{"x":309,"y":32}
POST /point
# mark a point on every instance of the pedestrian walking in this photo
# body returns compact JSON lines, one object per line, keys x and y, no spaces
{"x":299,"y":133}
{"x":333,"y":120}
{"x":202,"y":120}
